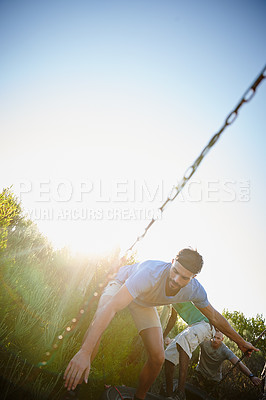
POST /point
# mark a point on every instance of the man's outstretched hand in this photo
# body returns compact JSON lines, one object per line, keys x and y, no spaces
{"x":247,"y":348}
{"x":78,"y":366}
{"x":256,"y":381}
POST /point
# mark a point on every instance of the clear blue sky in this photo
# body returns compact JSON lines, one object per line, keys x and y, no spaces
{"x":131,"y":91}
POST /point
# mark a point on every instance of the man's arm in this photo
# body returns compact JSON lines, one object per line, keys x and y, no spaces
{"x":80,"y":363}
{"x":223,"y":325}
{"x":244,"y":369}
{"x":170,"y":323}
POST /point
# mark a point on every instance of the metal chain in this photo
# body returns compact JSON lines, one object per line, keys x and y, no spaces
{"x":174,"y":193}
{"x":248,"y":95}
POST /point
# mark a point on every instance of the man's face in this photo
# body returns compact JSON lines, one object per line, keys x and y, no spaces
{"x":179,"y":277}
{"x":217,"y":340}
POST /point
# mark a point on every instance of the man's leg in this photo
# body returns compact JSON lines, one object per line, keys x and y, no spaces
{"x":186,"y":342}
{"x":183,"y":368}
{"x":169,"y":377}
{"x":153,"y":342}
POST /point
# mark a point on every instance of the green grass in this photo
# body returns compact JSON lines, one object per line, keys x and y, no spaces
{"x":37,"y":304}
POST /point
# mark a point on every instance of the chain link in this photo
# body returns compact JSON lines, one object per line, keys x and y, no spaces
{"x":248,"y":95}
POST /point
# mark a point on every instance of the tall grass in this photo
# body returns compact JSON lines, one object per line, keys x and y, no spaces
{"x":37,"y":303}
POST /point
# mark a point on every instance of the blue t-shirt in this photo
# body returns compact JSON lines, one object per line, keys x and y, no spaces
{"x":146,"y":282}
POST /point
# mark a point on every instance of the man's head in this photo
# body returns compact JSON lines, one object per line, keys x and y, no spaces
{"x":217,"y":339}
{"x":185,"y":267}
{"x":190,"y":259}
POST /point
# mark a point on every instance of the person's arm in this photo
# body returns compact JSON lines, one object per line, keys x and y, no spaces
{"x":170,"y":323}
{"x":244,"y":369}
{"x":223,"y":325}
{"x":80,"y":363}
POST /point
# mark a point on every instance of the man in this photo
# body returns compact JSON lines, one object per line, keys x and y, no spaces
{"x":142,"y":287}
{"x":209,"y":368}
{"x":182,"y":346}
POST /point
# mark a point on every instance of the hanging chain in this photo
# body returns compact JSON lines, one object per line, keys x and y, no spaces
{"x":174,"y":193}
{"x":248,"y":95}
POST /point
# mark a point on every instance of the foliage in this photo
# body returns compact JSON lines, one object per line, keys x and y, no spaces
{"x":9,"y":211}
{"x":249,"y":328}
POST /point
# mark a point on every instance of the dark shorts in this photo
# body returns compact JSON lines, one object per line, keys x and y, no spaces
{"x":208,"y":385}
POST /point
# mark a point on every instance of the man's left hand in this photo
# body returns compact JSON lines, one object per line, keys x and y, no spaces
{"x":255,"y":380}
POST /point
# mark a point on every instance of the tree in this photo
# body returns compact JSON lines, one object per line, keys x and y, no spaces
{"x":249,"y":328}
{"x":10,"y":211}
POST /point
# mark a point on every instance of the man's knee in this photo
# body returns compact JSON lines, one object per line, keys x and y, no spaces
{"x":153,"y":342}
{"x":157,"y":358}
{"x":103,"y":301}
